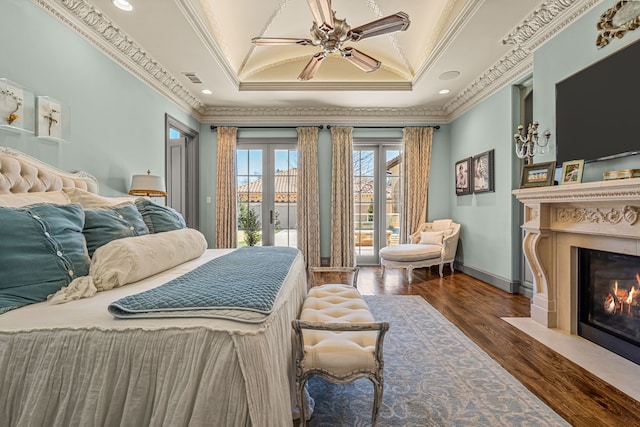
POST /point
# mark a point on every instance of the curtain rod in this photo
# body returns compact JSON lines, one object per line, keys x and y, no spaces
{"x":214,"y":127}
{"x":385,"y":127}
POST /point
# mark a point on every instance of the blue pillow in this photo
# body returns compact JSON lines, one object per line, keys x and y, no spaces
{"x":42,"y":249}
{"x":160,"y":218}
{"x":107,"y":223}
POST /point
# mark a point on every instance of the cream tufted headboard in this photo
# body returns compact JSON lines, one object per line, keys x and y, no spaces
{"x":21,"y":173}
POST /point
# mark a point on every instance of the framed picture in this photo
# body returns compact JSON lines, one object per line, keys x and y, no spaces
{"x":572,"y":172}
{"x":463,"y":179}
{"x":482,"y":168}
{"x":50,"y":118}
{"x":537,"y":175}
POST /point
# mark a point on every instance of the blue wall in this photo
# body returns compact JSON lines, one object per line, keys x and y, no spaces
{"x":117,"y":121}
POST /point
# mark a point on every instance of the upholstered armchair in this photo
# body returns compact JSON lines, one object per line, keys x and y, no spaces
{"x":434,"y":243}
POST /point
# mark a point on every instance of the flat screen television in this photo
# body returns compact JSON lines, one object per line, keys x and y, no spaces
{"x":598,"y":109}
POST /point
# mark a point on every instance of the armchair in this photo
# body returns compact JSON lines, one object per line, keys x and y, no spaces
{"x":434,"y":243}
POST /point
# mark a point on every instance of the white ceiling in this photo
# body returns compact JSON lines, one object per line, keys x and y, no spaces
{"x":486,"y":41}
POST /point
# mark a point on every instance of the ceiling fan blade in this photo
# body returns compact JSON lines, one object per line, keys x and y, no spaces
{"x":275,"y":41}
{"x":388,"y":24}
{"x":312,"y":66}
{"x":361,"y":60}
{"x":322,"y":13}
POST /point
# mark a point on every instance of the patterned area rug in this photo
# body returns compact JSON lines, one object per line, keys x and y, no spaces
{"x":434,"y":376}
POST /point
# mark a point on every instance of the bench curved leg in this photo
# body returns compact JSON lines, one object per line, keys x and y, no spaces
{"x":451,"y":266}
{"x":440,"y":268}
{"x":410,"y":273}
{"x":382,"y":266}
{"x":301,"y":403}
{"x":378,"y":389}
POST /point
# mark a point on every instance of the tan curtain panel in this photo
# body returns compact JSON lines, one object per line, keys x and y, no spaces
{"x":416,"y":162}
{"x":308,"y":198}
{"x":226,"y":234}
{"x":342,"y":239}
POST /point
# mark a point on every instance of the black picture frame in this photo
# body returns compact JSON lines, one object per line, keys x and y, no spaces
{"x":482,"y":167}
{"x":462,"y":176}
{"x":538,"y":175}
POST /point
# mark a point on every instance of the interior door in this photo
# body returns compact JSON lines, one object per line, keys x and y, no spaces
{"x":182,"y":170}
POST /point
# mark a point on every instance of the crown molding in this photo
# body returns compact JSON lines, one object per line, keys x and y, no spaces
{"x":324,"y":86}
{"x":94,"y":26}
{"x":258,"y":115}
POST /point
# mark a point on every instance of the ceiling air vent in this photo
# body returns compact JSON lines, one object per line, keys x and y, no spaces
{"x":193,"y":77}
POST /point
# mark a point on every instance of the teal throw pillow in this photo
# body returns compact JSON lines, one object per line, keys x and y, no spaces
{"x":159,"y":218}
{"x":42,"y":249}
{"x":108,"y":223}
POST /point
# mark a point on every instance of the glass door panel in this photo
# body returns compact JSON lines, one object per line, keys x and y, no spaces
{"x":249,"y":190}
{"x":364,"y":202}
{"x":284,"y":215}
{"x":393,"y":200}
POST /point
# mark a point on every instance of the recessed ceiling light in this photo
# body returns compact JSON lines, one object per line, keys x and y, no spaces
{"x":444,"y":91}
{"x":448,"y":75}
{"x":206,"y":91}
{"x":123,"y":5}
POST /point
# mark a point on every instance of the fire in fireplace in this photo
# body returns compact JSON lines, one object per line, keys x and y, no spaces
{"x":609,"y":301}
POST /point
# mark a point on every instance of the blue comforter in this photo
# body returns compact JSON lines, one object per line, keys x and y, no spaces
{"x":242,"y":285}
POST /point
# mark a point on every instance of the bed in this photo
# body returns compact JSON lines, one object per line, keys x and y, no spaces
{"x":74,"y":363}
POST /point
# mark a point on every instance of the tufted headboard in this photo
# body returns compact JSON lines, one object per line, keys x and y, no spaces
{"x":21,"y":173}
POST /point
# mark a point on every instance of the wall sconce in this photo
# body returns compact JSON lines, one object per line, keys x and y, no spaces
{"x":528,"y":145}
{"x":148,"y":185}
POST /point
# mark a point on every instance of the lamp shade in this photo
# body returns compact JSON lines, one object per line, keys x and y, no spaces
{"x":148,"y":185}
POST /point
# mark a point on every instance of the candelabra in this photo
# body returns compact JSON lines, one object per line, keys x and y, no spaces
{"x":528,"y":145}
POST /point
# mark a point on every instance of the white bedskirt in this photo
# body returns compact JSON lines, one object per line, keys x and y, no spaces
{"x":75,"y":365}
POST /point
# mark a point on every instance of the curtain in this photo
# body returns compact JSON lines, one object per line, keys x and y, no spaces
{"x":226,"y":233}
{"x":307,"y":196}
{"x":342,"y":238}
{"x":416,"y":160}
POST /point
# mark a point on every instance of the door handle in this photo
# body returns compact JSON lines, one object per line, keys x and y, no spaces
{"x":271,"y":217}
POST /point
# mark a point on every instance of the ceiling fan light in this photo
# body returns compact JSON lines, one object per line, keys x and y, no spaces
{"x":361,"y":60}
{"x":312,"y":66}
{"x":388,"y":24}
{"x":322,"y":13}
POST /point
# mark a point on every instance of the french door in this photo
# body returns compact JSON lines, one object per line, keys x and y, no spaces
{"x":267,"y":194}
{"x":377,"y":199}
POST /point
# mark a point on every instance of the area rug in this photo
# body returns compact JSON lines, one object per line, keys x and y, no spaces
{"x":434,"y":376}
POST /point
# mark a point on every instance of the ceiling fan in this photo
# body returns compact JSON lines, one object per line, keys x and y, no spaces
{"x":330,"y":33}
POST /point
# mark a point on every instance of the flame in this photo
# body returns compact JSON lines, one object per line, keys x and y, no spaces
{"x":638,"y":278}
{"x":632,"y":295}
{"x":609,"y":304}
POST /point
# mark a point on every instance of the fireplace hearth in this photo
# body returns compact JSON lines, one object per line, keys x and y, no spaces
{"x":609,"y":301}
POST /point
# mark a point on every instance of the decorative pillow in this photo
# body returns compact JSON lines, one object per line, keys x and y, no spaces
{"x":441,"y":224}
{"x":131,"y":259}
{"x":102,"y":225}
{"x":431,"y":237}
{"x":90,"y":200}
{"x":159,"y":218}
{"x":42,"y":249}
{"x":23,"y":199}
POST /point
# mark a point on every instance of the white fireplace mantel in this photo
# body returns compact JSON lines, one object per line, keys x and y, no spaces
{"x":597,"y":215}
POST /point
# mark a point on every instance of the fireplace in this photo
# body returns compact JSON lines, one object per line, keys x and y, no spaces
{"x":609,"y":301}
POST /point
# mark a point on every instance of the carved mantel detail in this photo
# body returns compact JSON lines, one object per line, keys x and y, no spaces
{"x":628,"y":214}
{"x":601,"y":215}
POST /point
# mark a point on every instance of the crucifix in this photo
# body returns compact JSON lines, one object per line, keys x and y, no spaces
{"x":51,"y":119}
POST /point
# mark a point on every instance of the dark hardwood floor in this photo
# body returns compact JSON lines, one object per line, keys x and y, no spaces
{"x":475,"y":307}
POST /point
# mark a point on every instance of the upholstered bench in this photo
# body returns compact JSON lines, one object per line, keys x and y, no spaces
{"x":337,"y":338}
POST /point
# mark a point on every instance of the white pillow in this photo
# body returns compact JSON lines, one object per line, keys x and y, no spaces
{"x":441,"y":224}
{"x":90,"y":200}
{"x":130,"y":259}
{"x":18,"y":200}
{"x":431,"y":237}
